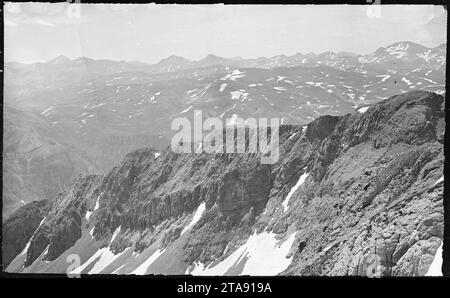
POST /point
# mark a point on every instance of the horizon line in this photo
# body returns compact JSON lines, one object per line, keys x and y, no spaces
{"x":211,"y":54}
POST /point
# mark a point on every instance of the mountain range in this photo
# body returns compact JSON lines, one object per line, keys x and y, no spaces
{"x":87,"y":169}
{"x":65,"y":117}
{"x":345,"y":188}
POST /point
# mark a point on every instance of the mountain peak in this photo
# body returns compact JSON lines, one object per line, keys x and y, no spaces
{"x":59,"y":59}
{"x":212,"y":57}
{"x":83,"y":59}
{"x":173,"y":58}
{"x":406,"y":46}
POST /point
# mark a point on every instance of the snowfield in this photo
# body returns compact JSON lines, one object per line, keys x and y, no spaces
{"x":142,"y":269}
{"x":262,"y":254}
{"x":102,"y":258}
{"x":236,"y":74}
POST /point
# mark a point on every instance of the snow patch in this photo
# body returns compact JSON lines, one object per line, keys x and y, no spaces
{"x":197,"y":215}
{"x":384,"y":77}
{"x":236,"y":74}
{"x":439,"y":181}
{"x":304,"y":129}
{"x":142,"y":269}
{"x":185,"y":110}
{"x":279,"y":88}
{"x":263,"y":255}
{"x":240,"y":94}
{"x":436,"y":266}
{"x":104,"y":255}
{"x":42,"y":221}
{"x":293,"y":135}
{"x":300,"y":181}
{"x":426,"y":55}
{"x":25,"y":250}
{"x":431,"y":81}
{"x":408,"y":82}
{"x":363,"y":109}
{"x":398,"y":50}
{"x":97,"y":203}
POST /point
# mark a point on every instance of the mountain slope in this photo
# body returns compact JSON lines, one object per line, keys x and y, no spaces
{"x":19,"y":228}
{"x":38,"y":159}
{"x":345,"y":188}
{"x":59,"y":72}
{"x":65,"y":117}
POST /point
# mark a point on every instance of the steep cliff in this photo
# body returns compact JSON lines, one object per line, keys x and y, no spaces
{"x":19,"y":228}
{"x":344,"y":189}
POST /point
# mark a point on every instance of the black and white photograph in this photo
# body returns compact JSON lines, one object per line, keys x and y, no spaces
{"x":223,"y":140}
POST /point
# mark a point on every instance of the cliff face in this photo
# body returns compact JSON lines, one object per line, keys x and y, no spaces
{"x":19,"y":228}
{"x":344,"y":189}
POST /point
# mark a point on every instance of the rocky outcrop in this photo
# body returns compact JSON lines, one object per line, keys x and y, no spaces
{"x":368,"y":185}
{"x":376,"y":190}
{"x":62,"y":226}
{"x":20,"y":226}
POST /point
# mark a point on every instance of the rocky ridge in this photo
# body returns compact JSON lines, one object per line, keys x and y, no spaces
{"x":345,"y":188}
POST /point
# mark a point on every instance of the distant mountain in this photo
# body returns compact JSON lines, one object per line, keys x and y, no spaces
{"x":212,"y":60}
{"x":407,"y":55}
{"x":84,"y":115}
{"x":398,"y":56}
{"x":172,"y":63}
{"x":60,"y":60}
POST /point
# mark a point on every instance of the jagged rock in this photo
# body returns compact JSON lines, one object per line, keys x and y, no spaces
{"x":20,"y":226}
{"x":370,"y":188}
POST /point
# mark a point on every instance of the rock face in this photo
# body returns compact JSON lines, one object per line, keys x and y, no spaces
{"x":345,"y":191}
{"x":19,"y":228}
{"x":62,"y":226}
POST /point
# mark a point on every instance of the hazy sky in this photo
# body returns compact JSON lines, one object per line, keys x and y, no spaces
{"x":148,"y":33}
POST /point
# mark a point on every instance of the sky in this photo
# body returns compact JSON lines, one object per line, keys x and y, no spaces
{"x":148,"y":32}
